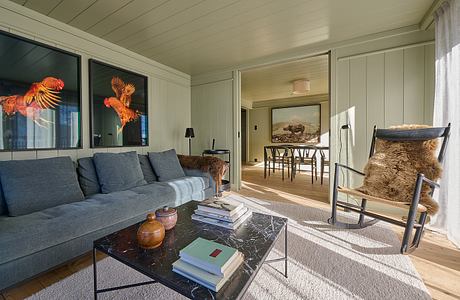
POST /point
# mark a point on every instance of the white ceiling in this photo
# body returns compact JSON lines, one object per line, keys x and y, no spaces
{"x":197,"y":36}
{"x":275,"y":81}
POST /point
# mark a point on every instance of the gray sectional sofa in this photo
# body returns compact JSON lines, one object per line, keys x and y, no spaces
{"x":51,"y":210}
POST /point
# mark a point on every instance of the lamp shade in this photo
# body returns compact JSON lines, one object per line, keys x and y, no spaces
{"x":300,"y":87}
{"x":189,"y":133}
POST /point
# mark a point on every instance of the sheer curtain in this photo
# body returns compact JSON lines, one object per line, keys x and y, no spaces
{"x":447,"y":109}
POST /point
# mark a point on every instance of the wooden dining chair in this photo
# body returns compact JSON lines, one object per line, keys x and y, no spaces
{"x":306,"y":156}
{"x":324,"y":163}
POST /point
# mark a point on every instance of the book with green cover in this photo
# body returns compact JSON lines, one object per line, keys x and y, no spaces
{"x":209,"y":256}
{"x":209,"y":280}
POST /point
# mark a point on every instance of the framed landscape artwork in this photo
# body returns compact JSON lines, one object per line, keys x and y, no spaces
{"x":298,"y":124}
{"x":118,"y":106}
{"x":40,"y":96}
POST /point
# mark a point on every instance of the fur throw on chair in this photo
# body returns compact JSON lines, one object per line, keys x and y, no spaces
{"x":392,"y":171}
{"x":213,"y":165}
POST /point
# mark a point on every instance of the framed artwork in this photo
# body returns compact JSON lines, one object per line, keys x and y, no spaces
{"x":296,"y":124}
{"x":40,"y":96}
{"x":118,"y":106}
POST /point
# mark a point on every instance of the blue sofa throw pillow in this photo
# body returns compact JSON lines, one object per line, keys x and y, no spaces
{"x":147,"y":170}
{"x":166,"y":165}
{"x":36,"y":184}
{"x":118,"y":171}
{"x":87,"y":176}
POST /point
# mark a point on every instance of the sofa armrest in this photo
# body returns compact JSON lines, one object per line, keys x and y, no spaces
{"x":199,"y":173}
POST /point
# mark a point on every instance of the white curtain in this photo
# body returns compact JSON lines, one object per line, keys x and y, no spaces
{"x":447,"y":109}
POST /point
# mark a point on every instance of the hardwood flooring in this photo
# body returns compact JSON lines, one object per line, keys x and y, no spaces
{"x":437,"y":260}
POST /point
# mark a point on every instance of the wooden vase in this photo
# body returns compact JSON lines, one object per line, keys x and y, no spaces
{"x":151,"y":233}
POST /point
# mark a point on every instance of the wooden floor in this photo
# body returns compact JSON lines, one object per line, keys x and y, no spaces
{"x":437,"y":260}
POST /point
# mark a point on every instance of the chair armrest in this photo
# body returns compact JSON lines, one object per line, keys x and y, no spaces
{"x":430,"y":182}
{"x":350,"y":169}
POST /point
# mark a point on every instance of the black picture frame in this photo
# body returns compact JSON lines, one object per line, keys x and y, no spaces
{"x":33,"y":52}
{"x":134,"y":133}
{"x":294,"y":138}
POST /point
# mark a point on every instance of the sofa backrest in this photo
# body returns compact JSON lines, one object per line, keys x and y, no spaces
{"x":36,"y":184}
{"x":3,"y":207}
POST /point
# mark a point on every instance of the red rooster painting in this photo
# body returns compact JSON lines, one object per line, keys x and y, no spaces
{"x":41,"y":95}
{"x":121,"y":102}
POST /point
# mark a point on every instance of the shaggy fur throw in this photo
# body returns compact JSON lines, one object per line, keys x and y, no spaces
{"x":392,"y":171}
{"x":213,"y":165}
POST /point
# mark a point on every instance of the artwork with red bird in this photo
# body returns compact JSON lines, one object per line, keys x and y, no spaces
{"x":40,"y":96}
{"x":121,"y":102}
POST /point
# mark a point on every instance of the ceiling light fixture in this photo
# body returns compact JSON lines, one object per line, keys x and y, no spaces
{"x":300,"y":86}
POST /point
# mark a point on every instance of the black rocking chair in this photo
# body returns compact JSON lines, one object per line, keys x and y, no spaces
{"x":413,"y":208}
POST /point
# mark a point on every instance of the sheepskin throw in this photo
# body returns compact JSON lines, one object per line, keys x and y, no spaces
{"x":215,"y":166}
{"x":392,"y":171}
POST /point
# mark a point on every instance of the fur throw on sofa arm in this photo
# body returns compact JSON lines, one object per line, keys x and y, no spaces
{"x":215,"y":166}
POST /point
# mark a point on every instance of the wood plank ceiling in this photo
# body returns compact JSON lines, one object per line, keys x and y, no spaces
{"x":275,"y":81}
{"x":198,"y":36}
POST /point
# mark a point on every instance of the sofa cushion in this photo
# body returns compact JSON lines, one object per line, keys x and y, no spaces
{"x":28,"y":234}
{"x":3,"y":207}
{"x":37,"y":184}
{"x":118,"y":171}
{"x":87,"y":176}
{"x":147,"y":170}
{"x":166,"y":165}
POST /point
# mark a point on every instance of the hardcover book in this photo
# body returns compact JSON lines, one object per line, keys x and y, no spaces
{"x":209,"y":280}
{"x":222,"y":223}
{"x":225,"y":206}
{"x":232,"y":218}
{"x":209,"y":256}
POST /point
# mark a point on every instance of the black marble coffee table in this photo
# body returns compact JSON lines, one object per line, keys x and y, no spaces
{"x":255,"y":238}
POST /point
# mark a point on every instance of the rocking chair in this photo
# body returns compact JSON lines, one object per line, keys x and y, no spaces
{"x":413,"y":207}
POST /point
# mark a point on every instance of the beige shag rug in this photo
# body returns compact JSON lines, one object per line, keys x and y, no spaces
{"x":324,"y":263}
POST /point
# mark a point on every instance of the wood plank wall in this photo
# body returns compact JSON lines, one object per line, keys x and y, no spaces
{"x":384,"y":89}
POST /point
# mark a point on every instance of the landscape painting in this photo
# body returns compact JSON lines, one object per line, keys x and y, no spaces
{"x":118,"y":107}
{"x":299,"y":124}
{"x":40,"y":99}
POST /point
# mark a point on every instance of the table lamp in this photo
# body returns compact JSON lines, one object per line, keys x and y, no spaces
{"x":189,"y":134}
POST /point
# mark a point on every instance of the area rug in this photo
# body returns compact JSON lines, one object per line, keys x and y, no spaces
{"x":324,"y":263}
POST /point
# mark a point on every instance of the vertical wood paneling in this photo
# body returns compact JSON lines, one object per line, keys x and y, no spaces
{"x":394,"y":88}
{"x":375,"y":94}
{"x":429,"y":84}
{"x":47,"y":154}
{"x":414,"y":80}
{"x":358,"y":112}
{"x":24,"y":155}
{"x":6,"y":156}
{"x":342,"y":105}
{"x":169,"y":89}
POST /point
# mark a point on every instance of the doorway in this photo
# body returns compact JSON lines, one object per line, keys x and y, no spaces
{"x":286,"y":106}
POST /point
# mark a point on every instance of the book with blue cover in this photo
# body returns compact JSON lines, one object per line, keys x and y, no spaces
{"x":210,"y":256}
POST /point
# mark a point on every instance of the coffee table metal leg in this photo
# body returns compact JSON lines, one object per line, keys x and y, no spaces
{"x":94,"y":273}
{"x":285,"y":251}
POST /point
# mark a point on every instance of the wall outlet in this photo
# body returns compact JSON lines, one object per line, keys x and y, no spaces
{"x":255,"y":127}
{"x":255,"y":159}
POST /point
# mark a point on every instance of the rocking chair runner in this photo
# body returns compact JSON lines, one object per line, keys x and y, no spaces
{"x":413,"y":208}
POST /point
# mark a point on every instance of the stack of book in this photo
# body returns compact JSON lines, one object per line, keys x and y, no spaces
{"x":223,"y":212}
{"x":208,"y":263}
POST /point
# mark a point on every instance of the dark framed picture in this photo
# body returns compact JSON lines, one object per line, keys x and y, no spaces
{"x":296,"y":124}
{"x":40,"y":96}
{"x":118,"y":106}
